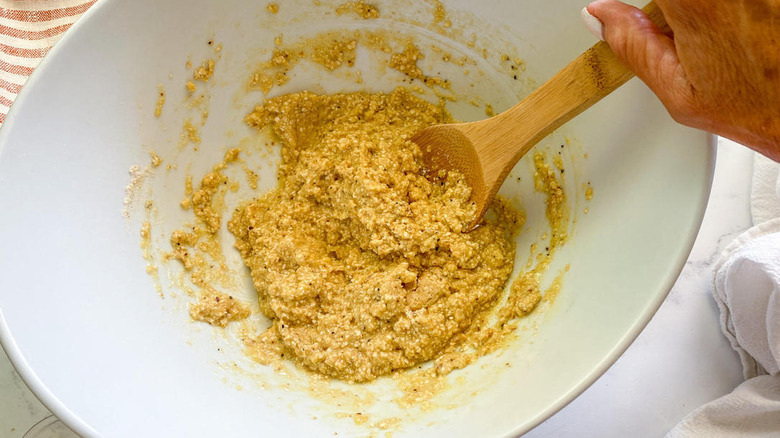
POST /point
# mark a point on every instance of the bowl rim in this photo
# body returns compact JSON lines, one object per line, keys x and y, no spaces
{"x":74,"y":422}
{"x":7,"y":341}
{"x":643,"y":319}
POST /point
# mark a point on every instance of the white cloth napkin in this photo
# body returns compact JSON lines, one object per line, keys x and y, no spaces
{"x":747,"y":290}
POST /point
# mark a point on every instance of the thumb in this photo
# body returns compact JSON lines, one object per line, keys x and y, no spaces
{"x":650,"y":54}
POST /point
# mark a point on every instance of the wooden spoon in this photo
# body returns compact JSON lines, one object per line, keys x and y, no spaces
{"x":486,"y":151}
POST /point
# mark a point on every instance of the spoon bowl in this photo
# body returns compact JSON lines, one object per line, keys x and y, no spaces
{"x":486,"y":151}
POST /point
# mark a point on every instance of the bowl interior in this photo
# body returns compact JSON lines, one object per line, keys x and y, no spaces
{"x":85,"y":327}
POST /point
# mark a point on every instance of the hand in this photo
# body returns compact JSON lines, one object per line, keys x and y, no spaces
{"x":721,"y":70}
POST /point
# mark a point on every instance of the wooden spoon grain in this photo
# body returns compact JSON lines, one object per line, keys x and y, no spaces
{"x":486,"y":151}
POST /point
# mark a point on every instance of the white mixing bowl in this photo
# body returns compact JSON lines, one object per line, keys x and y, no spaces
{"x":81,"y":319}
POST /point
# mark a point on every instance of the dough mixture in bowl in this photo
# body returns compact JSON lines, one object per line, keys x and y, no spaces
{"x":361,"y":262}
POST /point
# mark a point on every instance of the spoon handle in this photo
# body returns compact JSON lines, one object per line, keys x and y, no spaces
{"x":579,"y":85}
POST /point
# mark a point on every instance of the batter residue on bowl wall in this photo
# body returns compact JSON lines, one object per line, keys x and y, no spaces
{"x":361,"y":263}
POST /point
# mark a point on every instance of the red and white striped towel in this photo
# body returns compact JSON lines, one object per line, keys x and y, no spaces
{"x":28,"y":29}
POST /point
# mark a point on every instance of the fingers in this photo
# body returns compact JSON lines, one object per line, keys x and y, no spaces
{"x":650,"y":54}
{"x":593,"y":24}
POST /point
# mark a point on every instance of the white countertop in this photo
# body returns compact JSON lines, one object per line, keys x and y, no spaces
{"x":679,"y":362}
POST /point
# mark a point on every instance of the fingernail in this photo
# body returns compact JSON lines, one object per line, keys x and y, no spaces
{"x":593,"y":24}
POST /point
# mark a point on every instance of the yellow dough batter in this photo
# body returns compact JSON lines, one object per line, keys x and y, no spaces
{"x":360,"y":261}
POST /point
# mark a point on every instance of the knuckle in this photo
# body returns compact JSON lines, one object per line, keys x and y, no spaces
{"x":682,"y":109}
